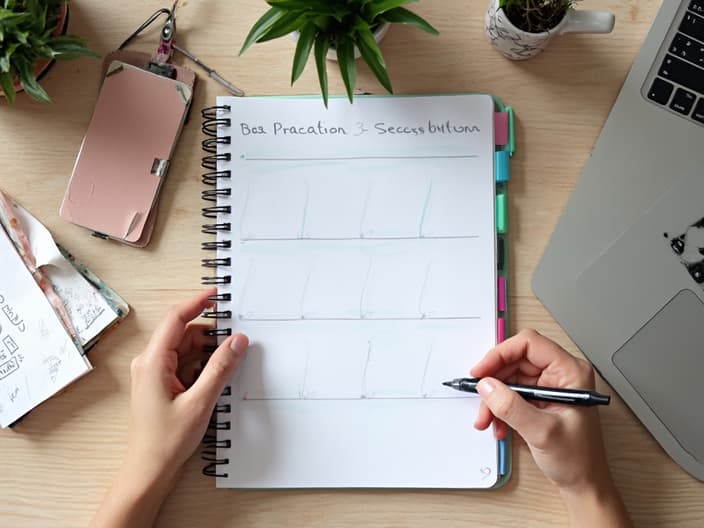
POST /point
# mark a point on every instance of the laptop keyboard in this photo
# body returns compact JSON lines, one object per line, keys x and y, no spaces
{"x":680,"y":81}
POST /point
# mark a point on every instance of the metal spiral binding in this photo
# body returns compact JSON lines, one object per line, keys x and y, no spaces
{"x":214,"y":178}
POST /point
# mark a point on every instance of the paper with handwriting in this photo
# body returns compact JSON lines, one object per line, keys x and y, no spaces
{"x":88,"y":310}
{"x":37,"y":355}
{"x":363,"y":271}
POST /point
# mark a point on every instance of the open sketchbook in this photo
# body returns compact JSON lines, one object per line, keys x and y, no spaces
{"x":52,"y":310}
{"x":357,"y":248}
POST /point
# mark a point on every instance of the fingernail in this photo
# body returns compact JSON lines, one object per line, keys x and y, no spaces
{"x":239,"y":344}
{"x":486,"y":387}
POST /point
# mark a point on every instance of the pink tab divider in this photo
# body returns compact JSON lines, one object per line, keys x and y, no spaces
{"x":501,"y":294}
{"x":501,"y":128}
{"x":500,"y":329}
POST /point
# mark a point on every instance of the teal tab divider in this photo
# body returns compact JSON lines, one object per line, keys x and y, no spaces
{"x":502,"y":168}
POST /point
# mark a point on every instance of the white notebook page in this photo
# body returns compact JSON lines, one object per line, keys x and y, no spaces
{"x":363,"y":271}
{"x":38,"y":358}
{"x":87,"y":309}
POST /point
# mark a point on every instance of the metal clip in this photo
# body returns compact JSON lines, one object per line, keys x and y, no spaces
{"x":168,"y":32}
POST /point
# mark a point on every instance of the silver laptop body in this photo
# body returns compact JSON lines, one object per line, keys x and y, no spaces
{"x":624,"y":270}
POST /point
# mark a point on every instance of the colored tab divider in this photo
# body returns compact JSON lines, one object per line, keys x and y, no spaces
{"x":501,"y":135}
{"x":500,"y":253}
{"x":502,"y":457}
{"x":501,"y":294}
{"x":500,"y":329}
{"x":501,"y":220}
{"x":502,"y":169}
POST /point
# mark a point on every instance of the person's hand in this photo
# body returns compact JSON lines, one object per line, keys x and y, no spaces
{"x":565,"y":440}
{"x":171,"y":405}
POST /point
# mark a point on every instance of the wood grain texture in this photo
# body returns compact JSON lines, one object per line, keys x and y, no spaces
{"x":58,"y":462}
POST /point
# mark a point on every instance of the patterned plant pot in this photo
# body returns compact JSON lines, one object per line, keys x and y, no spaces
{"x":517,"y":44}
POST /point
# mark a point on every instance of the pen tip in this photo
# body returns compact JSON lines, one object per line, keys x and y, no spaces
{"x":447,"y":383}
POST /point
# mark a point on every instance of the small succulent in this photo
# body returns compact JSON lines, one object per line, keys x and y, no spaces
{"x":340,"y":24}
{"x":27,"y":35}
{"x":536,"y":16}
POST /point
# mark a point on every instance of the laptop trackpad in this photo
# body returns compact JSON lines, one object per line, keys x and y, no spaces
{"x":664,"y":363}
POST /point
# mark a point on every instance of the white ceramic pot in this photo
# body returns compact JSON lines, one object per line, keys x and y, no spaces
{"x":517,"y":44}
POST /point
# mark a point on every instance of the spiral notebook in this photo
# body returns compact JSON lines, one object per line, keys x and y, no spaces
{"x":357,"y":247}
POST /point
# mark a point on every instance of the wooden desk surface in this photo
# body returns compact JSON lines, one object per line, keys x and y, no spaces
{"x":58,"y":462}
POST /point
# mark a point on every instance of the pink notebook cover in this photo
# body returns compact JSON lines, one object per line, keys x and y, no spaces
{"x":125,"y":153}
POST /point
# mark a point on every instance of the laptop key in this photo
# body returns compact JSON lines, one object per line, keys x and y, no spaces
{"x":697,"y":6}
{"x":688,"y":49}
{"x":698,"y":114}
{"x":683,"y":101}
{"x":693,"y":25}
{"x":681,"y":72}
{"x":660,"y":91}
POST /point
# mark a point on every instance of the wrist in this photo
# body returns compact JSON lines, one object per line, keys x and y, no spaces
{"x":142,"y":492}
{"x":144,"y":481}
{"x":595,"y":504}
{"x":133,"y":501}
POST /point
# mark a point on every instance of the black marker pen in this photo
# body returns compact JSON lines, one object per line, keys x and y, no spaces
{"x":546,"y":394}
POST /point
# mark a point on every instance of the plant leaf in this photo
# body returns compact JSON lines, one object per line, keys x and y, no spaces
{"x":320,"y":7}
{"x":303,"y":47}
{"x":288,"y":23}
{"x":400,"y":15}
{"x":8,"y":16}
{"x":377,"y":7}
{"x":261,"y":26}
{"x":372,"y":56}
{"x":68,"y":47}
{"x":5,"y":61}
{"x":21,"y":36}
{"x":7,"y":86}
{"x":345,"y":58}
{"x":29,"y":82}
{"x":322,"y":22}
{"x":322,"y":44}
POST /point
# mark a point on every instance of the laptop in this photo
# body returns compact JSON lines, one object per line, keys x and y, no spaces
{"x":623,"y":272}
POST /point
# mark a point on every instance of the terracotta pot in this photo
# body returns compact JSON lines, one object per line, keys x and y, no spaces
{"x":43,"y":66}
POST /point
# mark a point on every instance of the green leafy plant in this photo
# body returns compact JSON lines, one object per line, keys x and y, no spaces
{"x":27,"y":36}
{"x":536,"y":16}
{"x":340,"y":24}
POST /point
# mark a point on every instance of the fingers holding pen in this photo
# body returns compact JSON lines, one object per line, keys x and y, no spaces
{"x":512,"y":410}
{"x":527,"y":347}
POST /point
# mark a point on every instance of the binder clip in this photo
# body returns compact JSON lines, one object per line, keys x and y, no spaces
{"x":161,"y":62}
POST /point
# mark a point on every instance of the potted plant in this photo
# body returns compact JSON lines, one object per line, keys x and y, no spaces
{"x":335,"y":29}
{"x":32,"y":37}
{"x":520,"y":29}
